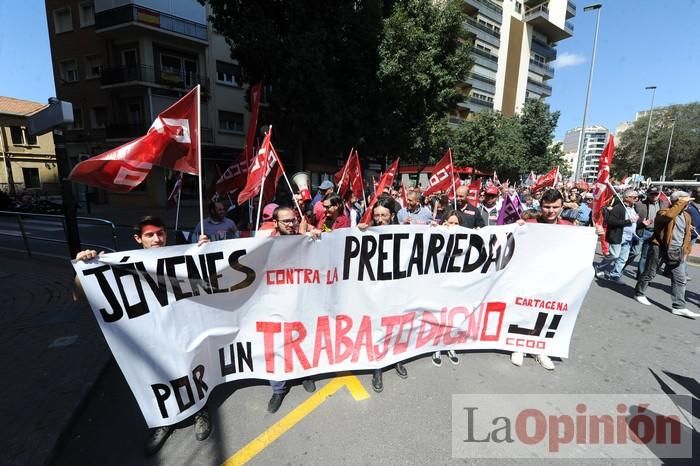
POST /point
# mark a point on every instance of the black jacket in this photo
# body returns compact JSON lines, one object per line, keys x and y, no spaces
{"x":615,"y":219}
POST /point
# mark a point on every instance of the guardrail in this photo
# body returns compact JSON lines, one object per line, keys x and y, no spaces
{"x":59,"y":219}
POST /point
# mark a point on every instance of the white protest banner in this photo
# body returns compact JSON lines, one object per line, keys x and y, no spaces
{"x":182,"y":319}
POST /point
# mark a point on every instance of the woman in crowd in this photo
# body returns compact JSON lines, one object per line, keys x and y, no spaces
{"x":384,"y":213}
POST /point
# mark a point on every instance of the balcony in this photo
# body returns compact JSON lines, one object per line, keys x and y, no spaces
{"x":134,"y":15}
{"x":474,"y":24}
{"x":570,"y":10}
{"x":538,"y":17}
{"x":486,"y":7}
{"x":120,"y":76}
{"x":542,"y":68}
{"x":481,"y":103}
{"x":484,"y":54}
{"x":531,"y":3}
{"x":206,"y":135}
{"x":544,"y":49}
{"x":125,"y":130}
{"x":539,"y":87}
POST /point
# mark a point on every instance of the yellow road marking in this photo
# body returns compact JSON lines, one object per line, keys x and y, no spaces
{"x":258,"y":444}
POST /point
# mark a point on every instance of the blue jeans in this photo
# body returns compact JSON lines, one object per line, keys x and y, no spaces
{"x":678,"y":277}
{"x":607,"y":264}
{"x":641,"y":250}
{"x":621,"y":260}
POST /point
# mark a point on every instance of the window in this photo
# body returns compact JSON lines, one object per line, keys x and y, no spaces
{"x":69,"y":71}
{"x":77,"y":118}
{"x":31,"y":138}
{"x":87,"y":14}
{"x":481,"y":47}
{"x":170,"y":64}
{"x":62,"y":20}
{"x":98,"y":117}
{"x":231,"y":121}
{"x":93,"y":66}
{"x":16,"y":133}
{"x":518,"y":7}
{"x":31,"y":178}
{"x":228,"y":73}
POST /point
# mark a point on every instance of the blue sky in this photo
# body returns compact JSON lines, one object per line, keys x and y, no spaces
{"x":641,"y":43}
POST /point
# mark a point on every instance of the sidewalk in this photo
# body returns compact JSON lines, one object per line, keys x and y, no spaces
{"x":51,"y":352}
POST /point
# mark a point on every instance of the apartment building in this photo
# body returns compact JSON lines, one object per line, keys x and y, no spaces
{"x":514,"y":45}
{"x":120,"y":63}
{"x":595,"y":138}
{"x":28,"y":162}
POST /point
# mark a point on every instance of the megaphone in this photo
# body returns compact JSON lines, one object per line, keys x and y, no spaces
{"x":302,"y":179}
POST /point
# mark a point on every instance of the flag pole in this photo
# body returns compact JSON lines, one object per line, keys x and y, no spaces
{"x":345,"y":169}
{"x":262,"y":185}
{"x":199,"y":154}
{"x":177,"y":211}
{"x":289,"y":185}
{"x":454,"y":191}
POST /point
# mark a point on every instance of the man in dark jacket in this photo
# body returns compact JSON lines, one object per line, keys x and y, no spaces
{"x":647,"y":210}
{"x":671,"y":239}
{"x":621,"y":220}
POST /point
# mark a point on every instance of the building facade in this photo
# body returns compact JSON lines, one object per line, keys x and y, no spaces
{"x":514,"y":45}
{"x":595,"y":138}
{"x":121,"y":63}
{"x":28,"y":162}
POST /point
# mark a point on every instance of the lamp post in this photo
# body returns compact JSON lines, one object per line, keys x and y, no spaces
{"x":579,"y":162}
{"x":646,"y":138}
{"x":668,"y":152}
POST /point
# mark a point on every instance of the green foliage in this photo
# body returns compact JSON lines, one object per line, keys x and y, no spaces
{"x":424,"y":55}
{"x":684,"y":159}
{"x":511,"y":145}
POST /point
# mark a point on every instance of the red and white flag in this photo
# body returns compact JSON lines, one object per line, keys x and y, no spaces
{"x":442,"y":176}
{"x":234,"y":177}
{"x":495,"y":179}
{"x":474,"y":190}
{"x":530,"y":179}
{"x":172,"y":142}
{"x":602,"y":191}
{"x":266,"y":163}
{"x":386,"y":180}
{"x":350,"y":177}
{"x":547,"y":180}
{"x":174,"y":197}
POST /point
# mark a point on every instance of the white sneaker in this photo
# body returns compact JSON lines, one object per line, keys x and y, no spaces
{"x":600,"y":274}
{"x":643,"y":300}
{"x":545,"y":362}
{"x":517,"y":358}
{"x":685,"y":313}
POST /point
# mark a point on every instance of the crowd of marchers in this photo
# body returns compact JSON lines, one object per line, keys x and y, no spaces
{"x":650,"y":229}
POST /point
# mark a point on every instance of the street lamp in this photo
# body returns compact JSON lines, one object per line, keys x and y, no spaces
{"x":579,"y":163}
{"x":646,"y":139}
{"x":668,"y":152}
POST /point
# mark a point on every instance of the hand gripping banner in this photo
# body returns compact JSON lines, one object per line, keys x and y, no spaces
{"x":181,"y":320}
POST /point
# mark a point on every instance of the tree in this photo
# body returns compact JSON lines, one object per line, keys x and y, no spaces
{"x":685,"y":149}
{"x":511,"y":145}
{"x":491,"y":141}
{"x":320,"y":59}
{"x":424,"y":54}
{"x":538,"y":125}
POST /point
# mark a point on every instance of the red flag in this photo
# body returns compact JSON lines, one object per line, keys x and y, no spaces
{"x":548,"y":179}
{"x":175,"y":193}
{"x":350,"y":177}
{"x":582,"y":185}
{"x":474,"y":190}
{"x":262,"y":166}
{"x":663,"y":198}
{"x":386,"y":180}
{"x":404,"y":198}
{"x":172,"y":142}
{"x":441,"y":176}
{"x":602,"y":192}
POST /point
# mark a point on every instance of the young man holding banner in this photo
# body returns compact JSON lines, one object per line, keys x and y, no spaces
{"x":150,"y":233}
{"x":552,"y":204}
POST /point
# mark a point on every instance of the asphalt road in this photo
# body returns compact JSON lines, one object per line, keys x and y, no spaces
{"x":618,"y":347}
